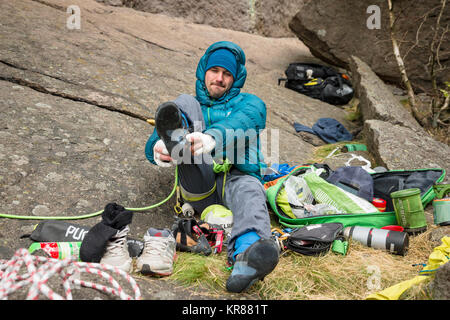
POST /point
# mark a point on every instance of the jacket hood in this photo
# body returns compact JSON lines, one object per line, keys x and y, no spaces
{"x":241,"y":73}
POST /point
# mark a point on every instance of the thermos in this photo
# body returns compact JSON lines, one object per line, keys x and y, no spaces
{"x":395,"y":242}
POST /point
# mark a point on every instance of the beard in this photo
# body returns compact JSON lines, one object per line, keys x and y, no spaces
{"x":216,"y":90}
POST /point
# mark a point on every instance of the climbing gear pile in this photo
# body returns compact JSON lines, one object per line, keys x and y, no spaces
{"x":198,"y":236}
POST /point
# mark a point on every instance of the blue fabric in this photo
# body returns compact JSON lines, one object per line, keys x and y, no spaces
{"x":300,"y":127}
{"x":282,"y":169}
{"x":328,"y":129}
{"x":244,"y":241}
{"x":360,"y":180}
{"x":226,"y":115}
{"x":223,"y":58}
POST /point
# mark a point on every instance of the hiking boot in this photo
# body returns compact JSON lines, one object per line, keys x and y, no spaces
{"x":253,"y":264}
{"x":158,"y":254}
{"x":116,"y":253}
{"x":171,"y":128}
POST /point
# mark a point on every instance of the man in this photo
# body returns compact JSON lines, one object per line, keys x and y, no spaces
{"x":226,"y":125}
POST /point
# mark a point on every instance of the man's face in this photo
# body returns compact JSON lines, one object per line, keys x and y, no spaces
{"x":218,"y":80}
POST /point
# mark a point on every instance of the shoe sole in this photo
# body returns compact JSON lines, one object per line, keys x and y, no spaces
{"x":126,"y":267}
{"x":194,"y":249}
{"x":147,"y":271}
{"x":266,"y":269}
{"x":168,"y":119}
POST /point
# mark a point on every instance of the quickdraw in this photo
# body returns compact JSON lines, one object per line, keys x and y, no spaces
{"x":280,"y":236}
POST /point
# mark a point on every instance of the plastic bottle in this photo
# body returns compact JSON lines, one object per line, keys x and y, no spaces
{"x":58,"y":250}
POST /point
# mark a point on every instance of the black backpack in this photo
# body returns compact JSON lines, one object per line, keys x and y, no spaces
{"x":318,"y":82}
{"x":314,"y":239}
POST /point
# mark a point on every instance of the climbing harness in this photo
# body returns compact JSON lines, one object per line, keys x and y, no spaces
{"x":224,"y":166}
{"x":41,"y":269}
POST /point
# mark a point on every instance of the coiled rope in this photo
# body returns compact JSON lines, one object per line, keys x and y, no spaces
{"x":41,"y":269}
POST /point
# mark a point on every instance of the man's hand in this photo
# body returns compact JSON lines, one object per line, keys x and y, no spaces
{"x":200,"y":143}
{"x":161,"y":155}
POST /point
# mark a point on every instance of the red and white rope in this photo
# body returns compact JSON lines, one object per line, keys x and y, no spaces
{"x":41,"y":269}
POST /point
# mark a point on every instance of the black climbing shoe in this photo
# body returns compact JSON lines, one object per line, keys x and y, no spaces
{"x":253,"y":264}
{"x":190,"y":237}
{"x":171,"y":129}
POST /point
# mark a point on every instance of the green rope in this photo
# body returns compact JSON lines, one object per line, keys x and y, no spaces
{"x":225,"y":166}
{"x":90,"y":215}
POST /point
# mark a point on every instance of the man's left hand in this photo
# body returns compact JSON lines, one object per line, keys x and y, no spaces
{"x":200,"y":143}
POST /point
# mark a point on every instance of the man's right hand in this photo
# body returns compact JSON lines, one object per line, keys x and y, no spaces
{"x":161,"y":155}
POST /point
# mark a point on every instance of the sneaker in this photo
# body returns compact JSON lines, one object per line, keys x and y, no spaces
{"x":253,"y":264}
{"x":117,"y":254}
{"x":158,"y":254}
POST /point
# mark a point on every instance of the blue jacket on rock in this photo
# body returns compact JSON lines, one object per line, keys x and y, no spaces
{"x":234,"y":120}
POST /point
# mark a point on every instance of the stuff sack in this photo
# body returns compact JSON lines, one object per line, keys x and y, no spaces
{"x":57,"y":231}
{"x":313,"y":239}
{"x":353,"y":179}
{"x":318,"y":82}
{"x":61,"y":231}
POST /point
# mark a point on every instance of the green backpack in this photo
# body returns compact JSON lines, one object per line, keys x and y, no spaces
{"x":391,"y":180}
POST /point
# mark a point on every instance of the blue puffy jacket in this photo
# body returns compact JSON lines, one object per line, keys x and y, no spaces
{"x":235,"y":119}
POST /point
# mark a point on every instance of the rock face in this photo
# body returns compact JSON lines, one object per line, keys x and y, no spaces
{"x":264,"y":17}
{"x":336,"y":30}
{"x":393,"y":136}
{"x":440,"y":286}
{"x":398,"y":147}
{"x":376,"y":100}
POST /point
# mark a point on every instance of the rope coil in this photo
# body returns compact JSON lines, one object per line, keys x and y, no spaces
{"x":41,"y":269}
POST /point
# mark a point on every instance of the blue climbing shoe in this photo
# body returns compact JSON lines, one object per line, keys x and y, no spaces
{"x":253,"y":264}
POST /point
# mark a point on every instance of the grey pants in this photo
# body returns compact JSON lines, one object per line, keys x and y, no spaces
{"x":243,"y":194}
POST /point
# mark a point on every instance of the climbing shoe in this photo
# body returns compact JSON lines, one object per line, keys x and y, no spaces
{"x":190,"y":237}
{"x":172,"y":128}
{"x":252,"y":265}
